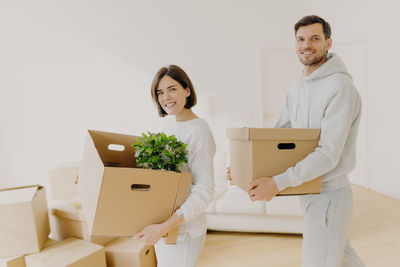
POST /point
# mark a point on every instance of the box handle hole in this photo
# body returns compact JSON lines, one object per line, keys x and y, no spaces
{"x":115,"y":147}
{"x":147,"y":251}
{"x":140,"y":187}
{"x":283,"y":146}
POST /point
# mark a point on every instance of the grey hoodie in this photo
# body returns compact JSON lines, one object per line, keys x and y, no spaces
{"x":327,"y":100}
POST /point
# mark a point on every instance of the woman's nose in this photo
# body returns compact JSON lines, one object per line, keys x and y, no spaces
{"x":166,"y":96}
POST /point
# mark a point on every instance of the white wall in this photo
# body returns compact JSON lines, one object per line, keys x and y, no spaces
{"x":70,"y":65}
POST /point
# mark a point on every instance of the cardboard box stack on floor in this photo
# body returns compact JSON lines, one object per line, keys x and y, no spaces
{"x":24,"y":227}
{"x":116,"y":199}
{"x":266,"y":152}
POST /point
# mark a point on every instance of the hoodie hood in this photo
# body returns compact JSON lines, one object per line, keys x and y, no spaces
{"x":334,"y":65}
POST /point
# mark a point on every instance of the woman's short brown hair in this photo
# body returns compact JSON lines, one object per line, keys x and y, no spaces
{"x":178,"y":75}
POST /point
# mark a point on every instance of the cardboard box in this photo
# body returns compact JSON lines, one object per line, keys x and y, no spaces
{"x":119,"y":199}
{"x":67,"y":220}
{"x":62,"y":181}
{"x":127,"y":252}
{"x":19,"y":261}
{"x":265,"y":152}
{"x":24,"y":226}
{"x":16,"y":261}
{"x":71,"y":252}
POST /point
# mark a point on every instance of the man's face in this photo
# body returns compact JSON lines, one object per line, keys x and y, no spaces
{"x":311,"y":45}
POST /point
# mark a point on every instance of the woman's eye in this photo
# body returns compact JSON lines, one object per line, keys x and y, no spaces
{"x":159,"y":93}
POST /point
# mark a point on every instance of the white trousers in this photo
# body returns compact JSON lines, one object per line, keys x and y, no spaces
{"x":182,"y":254}
{"x":327,"y":221}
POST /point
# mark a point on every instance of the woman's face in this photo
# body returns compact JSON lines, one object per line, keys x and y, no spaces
{"x":171,"y":95}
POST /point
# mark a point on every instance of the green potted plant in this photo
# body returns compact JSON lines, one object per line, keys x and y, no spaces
{"x":160,"y":152}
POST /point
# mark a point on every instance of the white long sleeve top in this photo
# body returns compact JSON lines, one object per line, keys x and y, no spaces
{"x":201,"y":150}
{"x":327,"y":100}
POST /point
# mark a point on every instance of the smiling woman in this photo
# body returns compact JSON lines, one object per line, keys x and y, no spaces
{"x":173,"y":94}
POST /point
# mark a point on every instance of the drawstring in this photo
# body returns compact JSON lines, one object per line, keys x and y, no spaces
{"x":309,"y":104}
{"x":297,"y":97}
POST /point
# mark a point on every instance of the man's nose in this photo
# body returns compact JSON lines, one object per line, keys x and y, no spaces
{"x":307,"y":44}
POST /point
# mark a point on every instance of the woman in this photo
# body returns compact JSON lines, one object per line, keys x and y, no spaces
{"x":173,"y":94}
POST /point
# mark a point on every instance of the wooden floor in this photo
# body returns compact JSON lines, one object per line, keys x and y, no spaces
{"x":374,"y":234}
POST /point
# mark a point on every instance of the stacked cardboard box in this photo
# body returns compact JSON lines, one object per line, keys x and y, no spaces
{"x":127,"y":252}
{"x":19,"y":261}
{"x":266,"y":152}
{"x":69,"y":252}
{"x":67,"y":220}
{"x":24,"y":225}
{"x":63,"y":181}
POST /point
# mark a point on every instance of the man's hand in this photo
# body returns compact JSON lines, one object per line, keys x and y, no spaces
{"x":263,"y":188}
{"x":151,"y":234}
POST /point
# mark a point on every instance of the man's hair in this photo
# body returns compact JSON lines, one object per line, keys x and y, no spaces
{"x":308,"y":20}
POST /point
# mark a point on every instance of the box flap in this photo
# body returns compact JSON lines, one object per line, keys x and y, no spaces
{"x":272,"y":134}
{"x":18,"y":194}
{"x":107,"y":145}
{"x":70,"y":215}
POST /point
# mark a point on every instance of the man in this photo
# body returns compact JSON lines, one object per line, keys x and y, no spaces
{"x":324,"y":97}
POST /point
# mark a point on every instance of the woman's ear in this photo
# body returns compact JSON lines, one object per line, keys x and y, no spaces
{"x":187,"y":91}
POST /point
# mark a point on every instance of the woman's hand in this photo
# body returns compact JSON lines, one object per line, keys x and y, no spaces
{"x":151,"y":234}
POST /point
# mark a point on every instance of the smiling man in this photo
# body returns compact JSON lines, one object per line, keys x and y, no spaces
{"x":325,"y":98}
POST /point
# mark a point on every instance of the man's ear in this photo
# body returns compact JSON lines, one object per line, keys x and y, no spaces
{"x":329,"y":43}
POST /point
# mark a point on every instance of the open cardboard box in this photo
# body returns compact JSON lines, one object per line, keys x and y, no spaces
{"x":24,"y":220}
{"x":119,"y":199}
{"x":266,"y":152}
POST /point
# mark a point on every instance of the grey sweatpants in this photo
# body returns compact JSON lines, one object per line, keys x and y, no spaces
{"x":327,"y":221}
{"x":182,"y":254}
